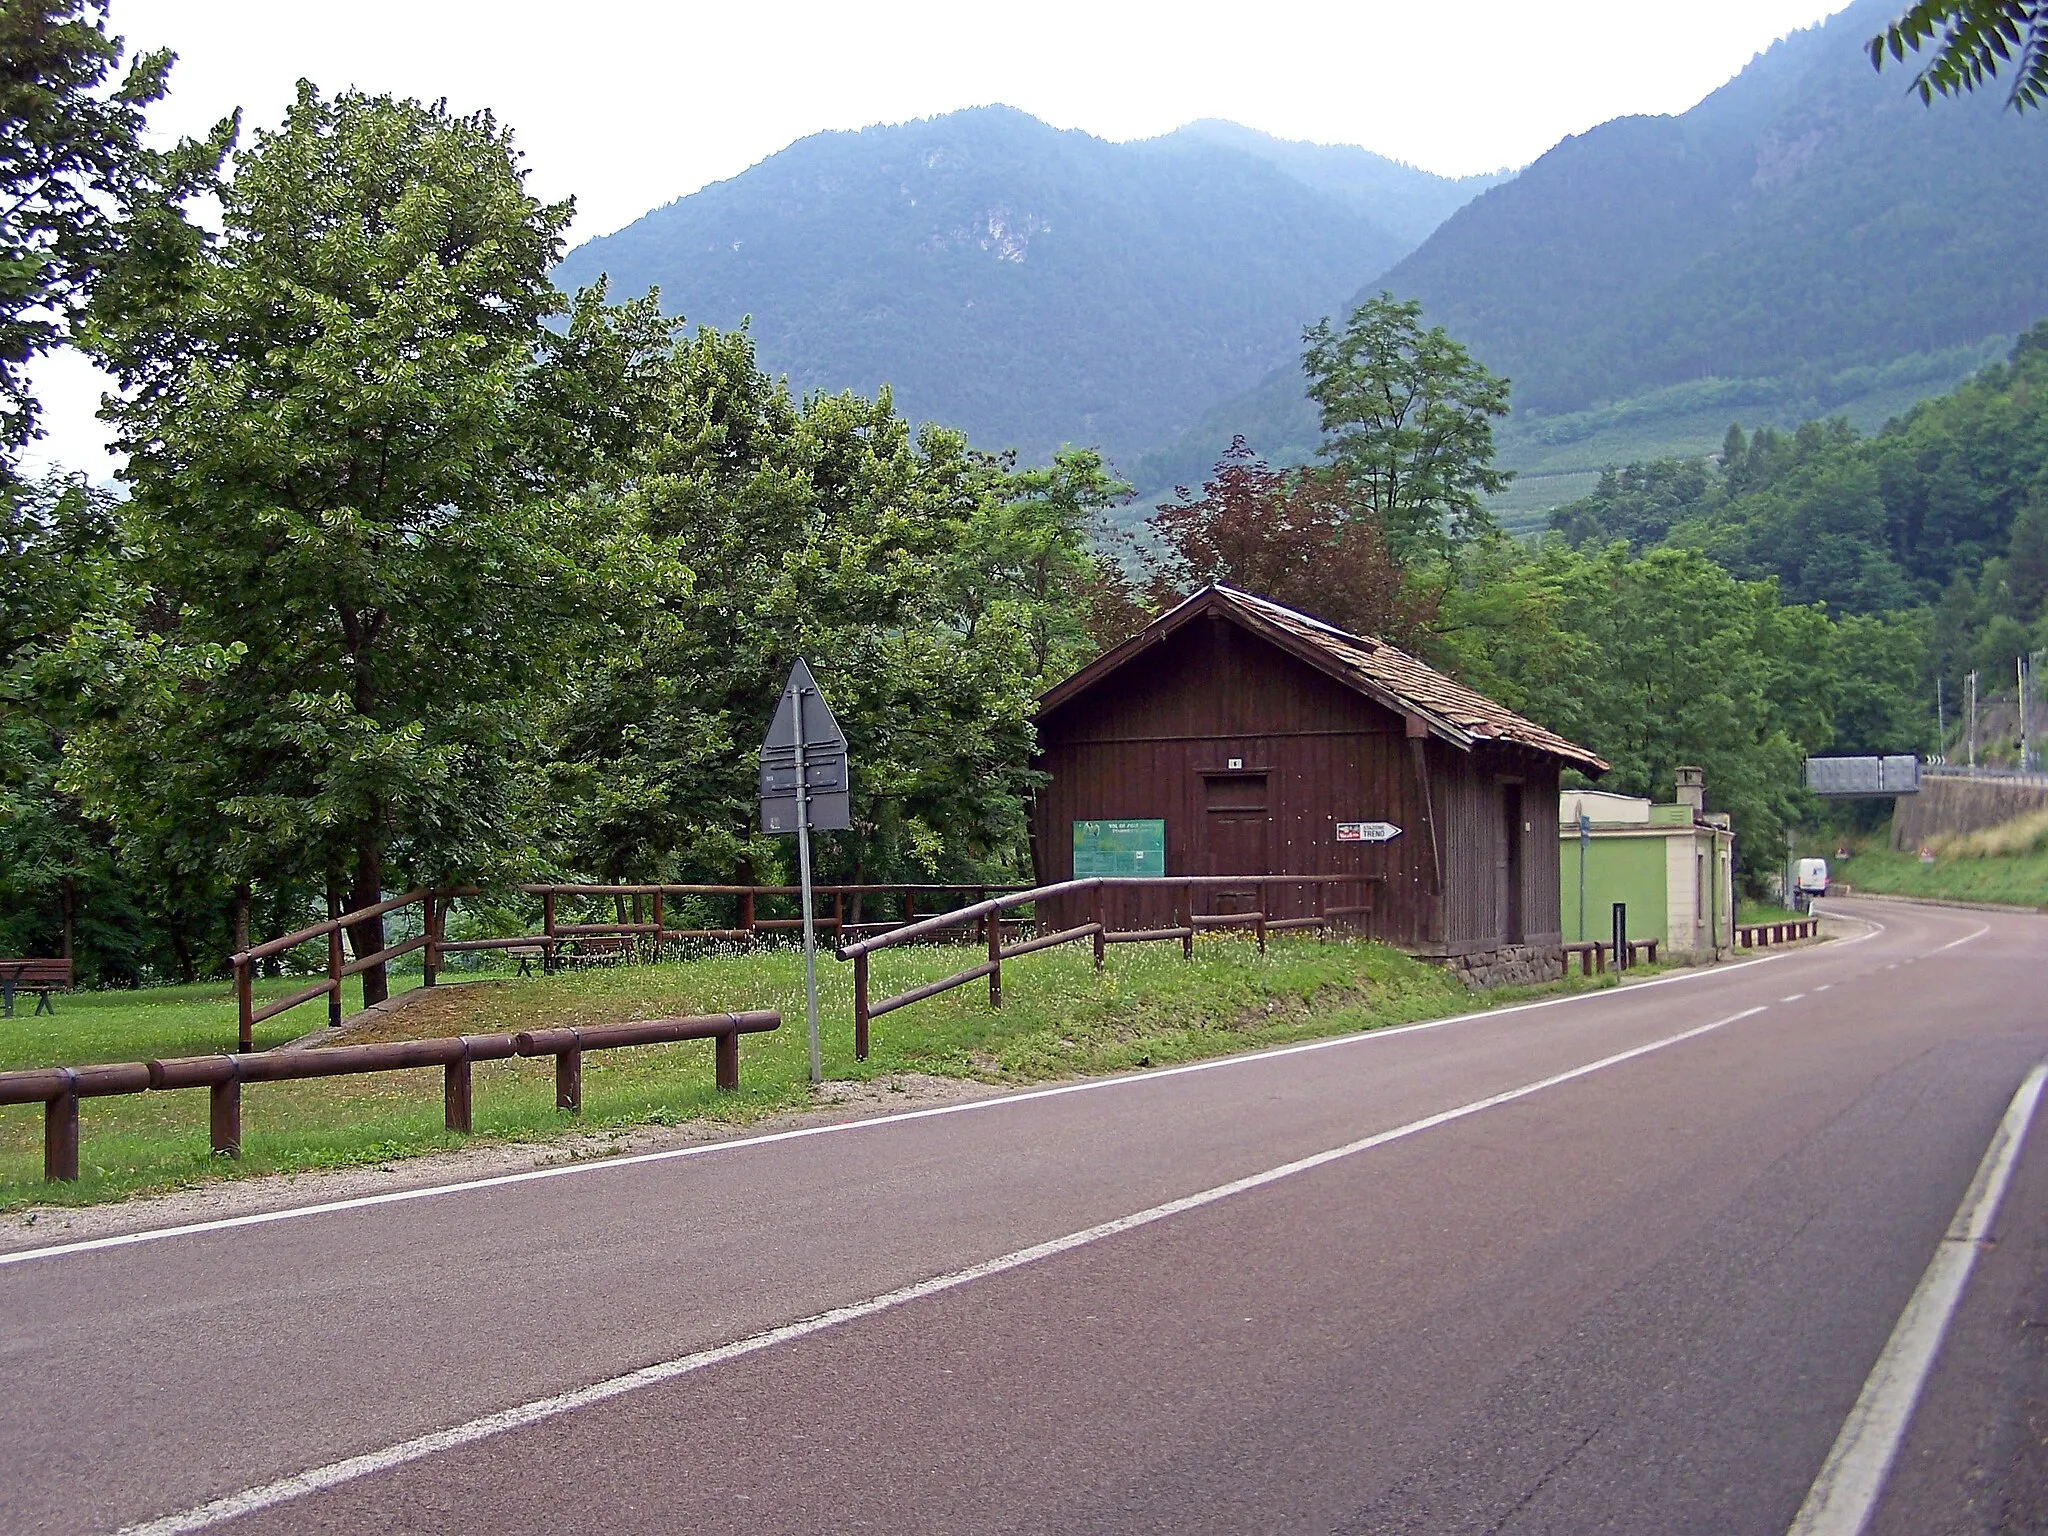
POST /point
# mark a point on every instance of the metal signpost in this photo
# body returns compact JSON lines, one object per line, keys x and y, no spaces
{"x":804,"y":789}
{"x":1585,"y":841}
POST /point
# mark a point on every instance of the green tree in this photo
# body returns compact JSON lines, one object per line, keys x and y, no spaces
{"x":1978,"y":39}
{"x":2026,"y":561}
{"x":934,"y":590}
{"x":60,"y":890}
{"x":346,"y":442}
{"x":1408,"y":415}
{"x":73,"y":172}
{"x":1881,"y":701}
{"x":1657,"y":660}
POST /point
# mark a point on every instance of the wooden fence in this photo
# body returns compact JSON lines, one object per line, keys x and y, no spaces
{"x":1764,"y":935}
{"x":987,"y":920}
{"x":573,"y":941}
{"x":59,"y":1089}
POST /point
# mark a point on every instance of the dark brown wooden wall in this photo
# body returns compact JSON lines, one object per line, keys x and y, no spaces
{"x":1154,"y":740}
{"x":1468,"y":787}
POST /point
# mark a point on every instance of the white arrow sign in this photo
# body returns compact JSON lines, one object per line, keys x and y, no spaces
{"x":1367,"y":831}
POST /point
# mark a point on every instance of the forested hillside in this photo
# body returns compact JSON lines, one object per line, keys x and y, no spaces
{"x":1806,"y":239}
{"x":1032,"y":286}
{"x":1938,"y":524}
{"x":1394,"y":195}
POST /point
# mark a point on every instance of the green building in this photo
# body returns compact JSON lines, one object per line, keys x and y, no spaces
{"x":1673,"y":866}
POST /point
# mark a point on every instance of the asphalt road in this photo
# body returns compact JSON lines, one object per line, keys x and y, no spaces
{"x":1620,"y":1263}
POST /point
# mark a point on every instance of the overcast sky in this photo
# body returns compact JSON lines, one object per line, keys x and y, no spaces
{"x":630,"y":104}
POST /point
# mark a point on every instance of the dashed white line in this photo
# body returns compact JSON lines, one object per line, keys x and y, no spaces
{"x":283,"y":1491}
{"x":1792,"y":997}
{"x":1952,"y":943}
{"x":1845,"y":1494}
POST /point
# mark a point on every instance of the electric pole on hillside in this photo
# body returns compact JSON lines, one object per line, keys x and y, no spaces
{"x":2020,"y":668}
{"x":1972,"y":681}
{"x":804,"y":789}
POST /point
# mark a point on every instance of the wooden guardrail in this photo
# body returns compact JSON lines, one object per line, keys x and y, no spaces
{"x":246,"y":962}
{"x":1593,"y":955}
{"x":59,"y":1089}
{"x":1764,"y":935}
{"x":847,"y":914}
{"x":987,"y":918}
{"x":557,"y":940}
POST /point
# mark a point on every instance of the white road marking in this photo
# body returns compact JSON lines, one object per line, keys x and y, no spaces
{"x":975,"y":1106}
{"x":1963,"y":940}
{"x":1792,"y":997}
{"x":1823,"y":986}
{"x":1845,"y":1494}
{"x":286,"y":1489}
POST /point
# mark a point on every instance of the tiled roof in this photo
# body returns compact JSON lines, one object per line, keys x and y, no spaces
{"x":1380,"y":671}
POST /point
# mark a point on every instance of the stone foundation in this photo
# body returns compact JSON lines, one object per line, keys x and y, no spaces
{"x":1512,"y":965}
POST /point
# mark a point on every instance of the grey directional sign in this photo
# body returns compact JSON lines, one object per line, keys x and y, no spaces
{"x":824,"y":760}
{"x":1897,"y":774}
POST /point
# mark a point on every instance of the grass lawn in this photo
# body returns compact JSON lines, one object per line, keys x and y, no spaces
{"x":1148,"y":1008}
{"x":2019,"y":880}
{"x":159,"y":1021}
{"x":1748,"y":912}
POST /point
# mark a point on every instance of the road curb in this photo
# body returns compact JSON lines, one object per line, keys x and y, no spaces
{"x":1942,"y":901}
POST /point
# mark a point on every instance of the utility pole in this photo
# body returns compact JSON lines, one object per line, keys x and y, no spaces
{"x":2020,"y":666}
{"x":1972,"y":681}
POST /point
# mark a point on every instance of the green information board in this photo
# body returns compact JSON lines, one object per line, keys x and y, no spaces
{"x":1119,"y":848}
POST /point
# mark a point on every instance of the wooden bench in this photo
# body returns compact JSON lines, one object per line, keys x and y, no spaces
{"x":595,"y":951}
{"x":41,"y":977}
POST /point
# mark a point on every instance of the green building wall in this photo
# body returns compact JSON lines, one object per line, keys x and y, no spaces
{"x":1618,"y":868}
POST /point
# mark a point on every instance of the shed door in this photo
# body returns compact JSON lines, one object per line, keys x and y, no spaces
{"x":1236,"y":817}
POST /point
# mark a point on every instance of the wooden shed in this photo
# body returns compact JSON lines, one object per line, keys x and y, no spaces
{"x":1269,"y":743}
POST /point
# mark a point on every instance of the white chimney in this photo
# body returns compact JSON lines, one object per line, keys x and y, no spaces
{"x":1692,"y":789}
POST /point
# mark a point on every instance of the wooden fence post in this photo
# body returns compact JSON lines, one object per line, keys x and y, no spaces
{"x":245,"y":1002}
{"x":860,"y":1006}
{"x":455,"y":1095}
{"x":547,"y":930}
{"x":569,"y":1080}
{"x":1184,"y":917}
{"x":1100,"y":942}
{"x":60,"y":1137}
{"x":224,"y":1118}
{"x":1322,"y":892}
{"x":430,"y":964}
{"x":995,"y":958}
{"x":747,"y":915}
{"x":726,"y":1060}
{"x":658,"y":921}
{"x":1264,"y":891}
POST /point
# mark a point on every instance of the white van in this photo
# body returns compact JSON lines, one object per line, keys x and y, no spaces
{"x":1810,"y":879}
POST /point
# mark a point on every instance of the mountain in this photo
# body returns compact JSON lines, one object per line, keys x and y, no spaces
{"x":1809,"y":238}
{"x":1399,"y":197}
{"x":1030,"y":285}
